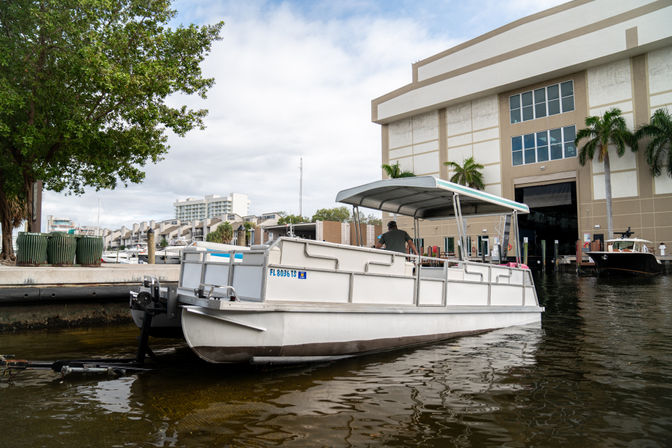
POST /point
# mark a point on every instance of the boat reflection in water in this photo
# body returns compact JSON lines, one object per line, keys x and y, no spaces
{"x":384,"y":397}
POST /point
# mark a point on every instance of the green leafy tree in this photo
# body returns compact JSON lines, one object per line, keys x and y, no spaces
{"x":394,"y":171}
{"x":599,"y":133}
{"x":469,"y":173}
{"x":370,"y":219}
{"x":339,"y":214}
{"x":84,"y":88}
{"x":292,"y":219}
{"x":659,"y":147}
{"x":373,"y":220}
{"x":248,"y":227}
{"x":222,"y":234}
{"x":163,"y":243}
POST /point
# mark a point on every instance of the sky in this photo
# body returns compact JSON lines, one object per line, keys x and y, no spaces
{"x":293,"y":79}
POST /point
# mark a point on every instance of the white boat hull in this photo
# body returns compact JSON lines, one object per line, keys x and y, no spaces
{"x":295,"y":334}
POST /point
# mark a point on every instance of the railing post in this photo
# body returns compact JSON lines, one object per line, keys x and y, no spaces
{"x":489,"y":284}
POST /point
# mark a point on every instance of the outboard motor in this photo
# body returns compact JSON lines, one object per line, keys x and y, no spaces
{"x":149,"y":300}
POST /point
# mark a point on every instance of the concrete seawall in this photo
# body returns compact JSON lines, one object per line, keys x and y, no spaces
{"x":51,"y":297}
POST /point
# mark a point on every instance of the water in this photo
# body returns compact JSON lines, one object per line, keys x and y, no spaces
{"x":598,"y":373}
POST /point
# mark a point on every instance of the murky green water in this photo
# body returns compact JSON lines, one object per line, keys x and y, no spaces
{"x":598,"y":373}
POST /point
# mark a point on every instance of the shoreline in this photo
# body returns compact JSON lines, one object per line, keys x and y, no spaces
{"x":48,"y":297}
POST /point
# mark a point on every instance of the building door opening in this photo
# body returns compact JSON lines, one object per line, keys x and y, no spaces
{"x":552,"y":216}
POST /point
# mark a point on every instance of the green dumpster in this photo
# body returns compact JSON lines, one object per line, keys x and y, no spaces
{"x":89,"y":250}
{"x":32,"y":249}
{"x":61,"y":248}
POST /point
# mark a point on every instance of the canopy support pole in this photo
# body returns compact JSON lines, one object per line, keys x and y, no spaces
{"x":355,"y":219}
{"x":461,"y":232}
{"x":418,"y":261}
{"x":516,"y":232}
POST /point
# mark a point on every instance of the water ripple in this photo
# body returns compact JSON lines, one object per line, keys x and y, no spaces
{"x":597,"y":373}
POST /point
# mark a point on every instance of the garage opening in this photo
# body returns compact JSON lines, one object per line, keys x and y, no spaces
{"x":553,"y":216}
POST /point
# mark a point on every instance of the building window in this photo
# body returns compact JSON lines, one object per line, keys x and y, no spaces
{"x":550,"y":100}
{"x":553,"y":144}
{"x":449,"y":245}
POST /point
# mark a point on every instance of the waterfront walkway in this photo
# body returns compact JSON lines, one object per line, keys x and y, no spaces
{"x":49,"y":296}
{"x":106,"y":274}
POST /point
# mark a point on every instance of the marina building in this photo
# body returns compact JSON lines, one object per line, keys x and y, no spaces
{"x":514,"y":98}
{"x":56,"y":224}
{"x":211,"y":206}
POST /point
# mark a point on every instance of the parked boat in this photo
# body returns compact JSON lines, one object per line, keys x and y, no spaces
{"x":120,"y":257}
{"x":299,"y":300}
{"x":633,"y":256}
{"x":168,"y":255}
{"x":173,"y":254}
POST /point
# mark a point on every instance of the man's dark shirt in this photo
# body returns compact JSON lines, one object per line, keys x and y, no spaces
{"x":395,"y":240}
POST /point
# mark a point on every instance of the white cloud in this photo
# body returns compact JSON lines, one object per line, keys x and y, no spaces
{"x":287,"y":86}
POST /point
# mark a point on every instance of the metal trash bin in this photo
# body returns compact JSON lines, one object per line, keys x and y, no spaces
{"x":89,"y":250}
{"x":31,"y":249}
{"x":61,"y":249}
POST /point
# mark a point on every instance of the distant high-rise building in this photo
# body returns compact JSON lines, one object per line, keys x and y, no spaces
{"x":211,"y":206}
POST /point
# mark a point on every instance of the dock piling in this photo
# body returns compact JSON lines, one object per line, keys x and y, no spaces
{"x":151,"y":247}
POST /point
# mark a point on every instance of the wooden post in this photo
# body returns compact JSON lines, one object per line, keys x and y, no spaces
{"x":556,"y":254}
{"x":151,"y":247}
{"x":543,"y":255}
{"x":525,"y":246}
{"x":579,"y":256}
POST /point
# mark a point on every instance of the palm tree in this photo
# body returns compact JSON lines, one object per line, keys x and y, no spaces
{"x":468,"y":173}
{"x":222,"y":234}
{"x":610,"y":129}
{"x":659,"y":148}
{"x":394,"y":172}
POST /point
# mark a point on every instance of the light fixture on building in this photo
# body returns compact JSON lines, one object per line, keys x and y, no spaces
{"x":597,"y":226}
{"x":542,"y":167}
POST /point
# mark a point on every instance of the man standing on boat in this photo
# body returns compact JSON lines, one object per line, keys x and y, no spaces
{"x":396,"y":240}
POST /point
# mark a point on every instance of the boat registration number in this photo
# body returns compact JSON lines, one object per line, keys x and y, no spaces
{"x":287,"y":273}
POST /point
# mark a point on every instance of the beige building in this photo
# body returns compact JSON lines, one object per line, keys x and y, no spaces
{"x":514,"y":98}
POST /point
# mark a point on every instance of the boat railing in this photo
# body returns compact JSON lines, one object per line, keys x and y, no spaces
{"x":294,"y":269}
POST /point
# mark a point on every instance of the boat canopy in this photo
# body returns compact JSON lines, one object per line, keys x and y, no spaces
{"x":427,"y":197}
